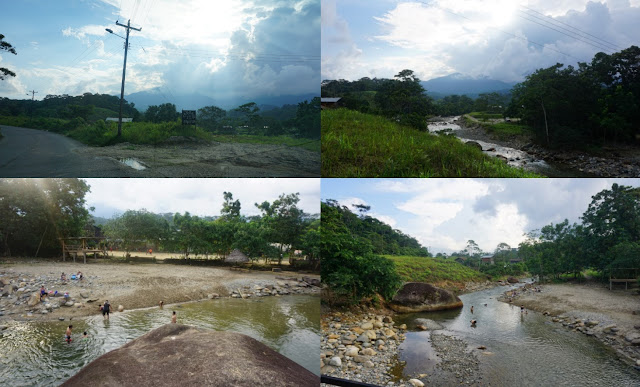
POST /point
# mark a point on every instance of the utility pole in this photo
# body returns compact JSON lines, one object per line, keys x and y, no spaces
{"x":124,"y":69}
{"x":33,"y":101}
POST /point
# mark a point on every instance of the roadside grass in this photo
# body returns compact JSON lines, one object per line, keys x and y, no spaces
{"x":101,"y":133}
{"x":434,"y":270}
{"x":355,"y":144}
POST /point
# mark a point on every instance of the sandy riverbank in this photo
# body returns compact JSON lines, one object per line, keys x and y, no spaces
{"x":612,"y":316}
{"x":131,"y":285}
{"x":217,"y":159}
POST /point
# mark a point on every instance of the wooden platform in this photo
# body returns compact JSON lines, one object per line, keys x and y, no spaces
{"x":77,"y":246}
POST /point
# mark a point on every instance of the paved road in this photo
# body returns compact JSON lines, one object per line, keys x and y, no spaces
{"x":37,"y":153}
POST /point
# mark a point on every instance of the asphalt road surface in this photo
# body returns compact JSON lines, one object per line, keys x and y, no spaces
{"x":37,"y":153}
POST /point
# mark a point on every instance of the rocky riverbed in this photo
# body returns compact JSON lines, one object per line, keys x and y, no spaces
{"x":612,"y":317}
{"x":365,"y":347}
{"x":130,"y":286}
{"x":619,"y":162}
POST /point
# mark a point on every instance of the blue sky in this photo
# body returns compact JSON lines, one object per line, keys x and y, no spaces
{"x":474,"y":37}
{"x":216,"y":48}
{"x":197,"y":196}
{"x":443,"y":214}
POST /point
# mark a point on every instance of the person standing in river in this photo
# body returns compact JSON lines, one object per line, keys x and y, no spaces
{"x":105,"y":309}
{"x":67,"y":334}
{"x":174,"y":318}
{"x":471,"y":309}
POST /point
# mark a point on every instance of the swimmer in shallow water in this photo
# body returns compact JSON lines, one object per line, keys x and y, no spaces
{"x":473,"y":323}
{"x":67,"y":334}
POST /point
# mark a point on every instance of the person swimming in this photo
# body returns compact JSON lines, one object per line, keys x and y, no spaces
{"x":471,"y":309}
{"x":473,"y":323}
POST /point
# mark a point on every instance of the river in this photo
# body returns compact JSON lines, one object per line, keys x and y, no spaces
{"x":525,"y":349}
{"x":514,"y":157}
{"x":35,"y":353}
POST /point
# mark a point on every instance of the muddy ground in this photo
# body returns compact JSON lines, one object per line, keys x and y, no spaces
{"x":194,"y":159}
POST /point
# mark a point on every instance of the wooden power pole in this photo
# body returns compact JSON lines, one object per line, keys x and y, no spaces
{"x":124,"y":69}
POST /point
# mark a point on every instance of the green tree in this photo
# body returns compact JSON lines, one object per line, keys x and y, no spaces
{"x":135,"y":229}
{"x":404,"y":100}
{"x":35,"y":213}
{"x":284,"y":221}
{"x":211,"y":117}
{"x":6,"y":46}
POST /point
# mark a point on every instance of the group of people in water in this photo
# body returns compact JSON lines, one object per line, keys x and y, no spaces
{"x":474,"y":322}
{"x":106,"y":309}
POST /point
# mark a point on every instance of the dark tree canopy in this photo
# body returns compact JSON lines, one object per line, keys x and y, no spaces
{"x":6,"y":46}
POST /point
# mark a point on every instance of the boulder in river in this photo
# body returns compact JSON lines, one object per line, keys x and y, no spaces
{"x":512,"y":280}
{"x":416,"y":297}
{"x":428,"y":324}
{"x":180,"y":355}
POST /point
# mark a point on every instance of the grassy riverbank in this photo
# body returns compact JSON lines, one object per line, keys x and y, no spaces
{"x":436,"y":271}
{"x":362,"y":145}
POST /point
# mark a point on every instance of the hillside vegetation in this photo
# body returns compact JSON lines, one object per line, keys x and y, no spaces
{"x":437,"y":271}
{"x":355,"y":144}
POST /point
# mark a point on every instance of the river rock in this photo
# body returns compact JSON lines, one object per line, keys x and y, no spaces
{"x":366,"y":326}
{"x":34,"y":300}
{"x":389,"y":332}
{"x":69,"y":303}
{"x":335,"y":361}
{"x":368,"y":352}
{"x":214,"y":359}
{"x":428,"y":323}
{"x":387,"y":319}
{"x":403,"y":327}
{"x":360,"y":358}
{"x":371,"y":335}
{"x":363,"y":338}
{"x":416,"y":383}
{"x":416,"y":297}
{"x":474,"y":144}
{"x":120,"y":308}
{"x":353,"y":351}
{"x":369,"y":364}
{"x":512,"y":280}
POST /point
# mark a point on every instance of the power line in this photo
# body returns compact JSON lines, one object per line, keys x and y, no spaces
{"x":568,"y":25}
{"x":33,"y":95}
{"x":596,"y":45}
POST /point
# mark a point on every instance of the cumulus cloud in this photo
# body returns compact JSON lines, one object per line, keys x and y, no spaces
{"x":501,"y":39}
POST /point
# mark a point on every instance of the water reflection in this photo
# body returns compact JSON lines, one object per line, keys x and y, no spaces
{"x":35,"y":353}
{"x":525,"y":348}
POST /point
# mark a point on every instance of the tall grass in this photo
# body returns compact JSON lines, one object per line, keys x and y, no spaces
{"x":355,"y":144}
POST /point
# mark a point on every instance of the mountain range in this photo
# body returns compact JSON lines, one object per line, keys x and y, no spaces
{"x":144,"y":99}
{"x":463,"y":84}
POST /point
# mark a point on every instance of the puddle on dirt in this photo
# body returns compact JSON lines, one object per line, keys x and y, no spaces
{"x":133,"y":163}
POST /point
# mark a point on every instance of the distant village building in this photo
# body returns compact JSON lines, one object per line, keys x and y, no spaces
{"x":488,"y":259}
{"x":116,"y":119}
{"x":461,"y":260}
{"x":330,"y":103}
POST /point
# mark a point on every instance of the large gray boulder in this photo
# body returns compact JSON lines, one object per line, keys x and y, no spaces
{"x":421,"y":297}
{"x":180,"y":355}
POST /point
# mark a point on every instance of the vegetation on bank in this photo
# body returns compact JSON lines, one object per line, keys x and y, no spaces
{"x":437,"y":271}
{"x":355,"y":144}
{"x":499,"y":129}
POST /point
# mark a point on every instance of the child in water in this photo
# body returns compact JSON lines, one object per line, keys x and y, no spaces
{"x":174,"y":318}
{"x":67,"y":334}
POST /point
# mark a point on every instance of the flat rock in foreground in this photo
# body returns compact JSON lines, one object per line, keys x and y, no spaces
{"x":180,"y":355}
{"x":422,"y":297}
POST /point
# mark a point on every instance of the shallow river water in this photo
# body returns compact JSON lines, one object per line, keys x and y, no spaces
{"x":515,"y":157}
{"x":35,"y":353}
{"x":525,"y":349}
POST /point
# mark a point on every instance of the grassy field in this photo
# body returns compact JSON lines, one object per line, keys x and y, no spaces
{"x":436,"y":271}
{"x":100,"y":133}
{"x":363,"y":145}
